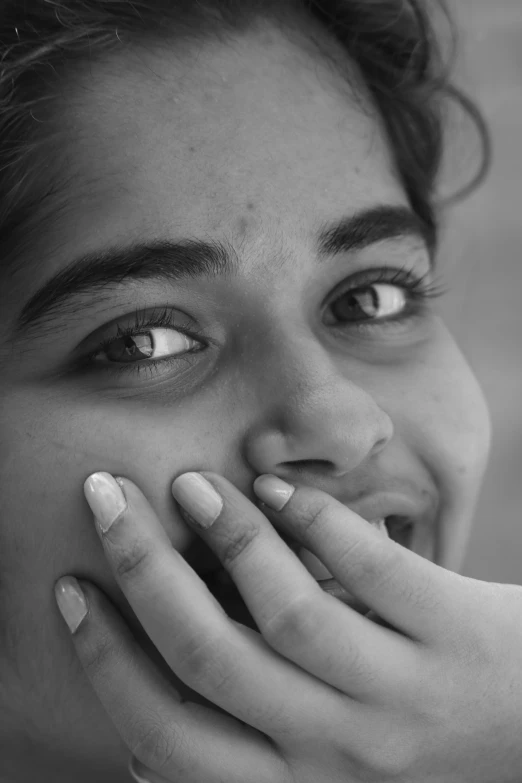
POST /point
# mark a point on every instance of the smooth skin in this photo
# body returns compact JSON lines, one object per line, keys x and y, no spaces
{"x":322,"y":694}
{"x":255,"y":142}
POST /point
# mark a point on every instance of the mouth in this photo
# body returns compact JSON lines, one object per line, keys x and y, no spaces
{"x":401,"y":530}
{"x":223,"y":588}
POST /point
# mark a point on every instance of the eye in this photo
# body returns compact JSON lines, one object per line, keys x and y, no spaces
{"x":384,"y":297}
{"x":372,"y":301}
{"x":154,"y":344}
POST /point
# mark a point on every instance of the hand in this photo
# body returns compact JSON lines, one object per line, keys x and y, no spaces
{"x":428,"y":690}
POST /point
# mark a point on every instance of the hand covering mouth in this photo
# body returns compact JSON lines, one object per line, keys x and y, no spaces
{"x":318,"y":569}
{"x":224,"y":589}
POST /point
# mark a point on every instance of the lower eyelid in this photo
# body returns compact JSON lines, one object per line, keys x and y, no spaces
{"x":145,"y":361}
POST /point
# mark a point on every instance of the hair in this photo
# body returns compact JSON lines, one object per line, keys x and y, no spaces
{"x":43,"y":43}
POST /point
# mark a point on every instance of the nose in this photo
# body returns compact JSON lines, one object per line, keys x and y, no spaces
{"x":317,"y":420}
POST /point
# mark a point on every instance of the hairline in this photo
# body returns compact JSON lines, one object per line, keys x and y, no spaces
{"x":288,"y":16}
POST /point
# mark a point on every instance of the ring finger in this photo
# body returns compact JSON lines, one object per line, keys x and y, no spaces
{"x":226,"y":662}
{"x":181,"y":741}
{"x":299,"y":620}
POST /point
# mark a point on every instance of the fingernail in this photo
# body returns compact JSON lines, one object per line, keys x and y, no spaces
{"x":106,"y":499}
{"x":133,"y":769}
{"x":273,"y":491}
{"x":71,"y":601}
{"x":198,"y":497}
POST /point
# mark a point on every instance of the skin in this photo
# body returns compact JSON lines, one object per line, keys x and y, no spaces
{"x":228,"y":156}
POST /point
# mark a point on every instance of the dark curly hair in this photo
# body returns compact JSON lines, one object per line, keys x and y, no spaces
{"x":43,"y":42}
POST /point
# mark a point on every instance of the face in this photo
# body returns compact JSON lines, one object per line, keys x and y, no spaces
{"x":294,"y":360}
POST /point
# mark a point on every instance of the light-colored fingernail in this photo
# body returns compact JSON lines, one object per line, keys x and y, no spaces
{"x":273,"y":491}
{"x":106,"y":499}
{"x":71,"y":601}
{"x":198,"y":497}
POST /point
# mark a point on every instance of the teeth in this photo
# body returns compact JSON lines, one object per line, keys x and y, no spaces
{"x":380,"y":525}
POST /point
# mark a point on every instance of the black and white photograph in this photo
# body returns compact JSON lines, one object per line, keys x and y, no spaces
{"x":260,"y":391}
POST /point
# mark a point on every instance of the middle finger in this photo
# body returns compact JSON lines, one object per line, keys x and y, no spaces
{"x":315,"y":630}
{"x":227,"y":663}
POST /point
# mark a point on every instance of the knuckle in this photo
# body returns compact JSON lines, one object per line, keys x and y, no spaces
{"x":394,"y":758}
{"x":133,"y":561}
{"x":299,"y":620}
{"x":238,"y":543}
{"x":204,"y":664}
{"x":313,"y":516}
{"x":420,"y":595}
{"x":97,"y":654}
{"x":156,"y":744}
{"x":392,"y":754}
{"x":303,"y":625}
{"x":368,"y":565}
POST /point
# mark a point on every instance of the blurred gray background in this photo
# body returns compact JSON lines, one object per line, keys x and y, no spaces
{"x":482,"y":262}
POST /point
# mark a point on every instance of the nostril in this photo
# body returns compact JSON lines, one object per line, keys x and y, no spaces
{"x":380,"y":445}
{"x":300,"y":466}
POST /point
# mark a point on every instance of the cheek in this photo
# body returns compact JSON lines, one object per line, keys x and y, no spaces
{"x":461,"y":422}
{"x":445,"y":421}
{"x":446,"y":405}
{"x":47,"y":527}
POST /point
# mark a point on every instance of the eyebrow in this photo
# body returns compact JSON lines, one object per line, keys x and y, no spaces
{"x":172,"y":261}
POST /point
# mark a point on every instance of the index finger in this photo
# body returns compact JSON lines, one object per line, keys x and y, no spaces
{"x":413,"y":594}
{"x":297,"y":619}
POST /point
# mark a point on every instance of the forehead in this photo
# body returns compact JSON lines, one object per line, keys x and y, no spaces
{"x":260,"y":136}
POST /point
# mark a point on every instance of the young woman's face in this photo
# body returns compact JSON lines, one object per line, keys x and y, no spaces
{"x":274,"y":367}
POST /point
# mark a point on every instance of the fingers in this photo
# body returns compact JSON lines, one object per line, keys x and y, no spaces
{"x":294,"y":615}
{"x":177,"y":741}
{"x":411,"y":593}
{"x":227,"y":663}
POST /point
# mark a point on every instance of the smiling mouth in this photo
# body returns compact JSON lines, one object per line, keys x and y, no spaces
{"x":224,"y":589}
{"x":400,"y":530}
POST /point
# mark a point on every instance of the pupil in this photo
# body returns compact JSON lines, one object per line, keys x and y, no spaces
{"x":130,"y":347}
{"x":365,"y":301}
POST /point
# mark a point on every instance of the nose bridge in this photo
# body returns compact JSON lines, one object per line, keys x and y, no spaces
{"x":310,"y":410}
{"x":298,"y":375}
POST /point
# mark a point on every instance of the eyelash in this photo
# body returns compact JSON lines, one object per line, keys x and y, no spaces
{"x":418,"y":289}
{"x":142,"y":322}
